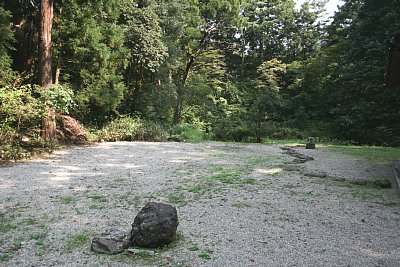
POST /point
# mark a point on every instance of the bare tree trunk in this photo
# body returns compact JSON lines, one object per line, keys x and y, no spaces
{"x":46,"y":22}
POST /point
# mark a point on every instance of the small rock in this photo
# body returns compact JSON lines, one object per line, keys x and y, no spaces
{"x":316,"y":174}
{"x":310,"y":146}
{"x":155,"y":225}
{"x":297,"y":161}
{"x":112,"y":241}
{"x":291,"y":168}
{"x":359,"y":181}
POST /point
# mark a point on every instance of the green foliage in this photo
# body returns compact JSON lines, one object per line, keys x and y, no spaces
{"x":190,"y":132}
{"x":6,"y":41}
{"x":19,"y":107}
{"x":240,"y":70}
{"x":127,"y":128}
{"x":77,"y":241}
{"x":21,"y":114}
{"x":92,"y":54}
{"x":60,"y":98}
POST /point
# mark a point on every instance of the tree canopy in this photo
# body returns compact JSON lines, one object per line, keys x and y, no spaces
{"x":237,"y":70}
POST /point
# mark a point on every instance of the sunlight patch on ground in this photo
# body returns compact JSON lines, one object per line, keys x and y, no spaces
{"x":183,"y":160}
{"x":5,"y":184}
{"x":133,"y":166}
{"x":377,"y":254}
{"x":269,"y":171}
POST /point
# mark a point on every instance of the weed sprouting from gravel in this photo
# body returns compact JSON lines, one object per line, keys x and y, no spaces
{"x":68,"y":199}
{"x":206,"y":254}
{"x":241,"y":205}
{"x":193,"y":247}
{"x":77,"y":241}
{"x":6,"y":225}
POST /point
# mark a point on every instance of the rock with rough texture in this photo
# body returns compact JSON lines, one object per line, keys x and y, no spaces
{"x":155,"y":225}
{"x":113,"y":241}
{"x":310,"y":146}
{"x":359,"y":181}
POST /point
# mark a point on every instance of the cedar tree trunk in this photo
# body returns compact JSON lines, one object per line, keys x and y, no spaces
{"x":46,"y":21}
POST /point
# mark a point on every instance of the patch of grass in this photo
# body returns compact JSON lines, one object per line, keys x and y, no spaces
{"x":31,"y":221}
{"x":135,"y":201}
{"x":39,"y":238}
{"x":226,"y":176}
{"x":256,"y":160}
{"x":376,"y":155}
{"x":206,"y":254}
{"x":38,"y":235}
{"x":68,"y":199}
{"x":250,"y":181}
{"x":6,"y":225}
{"x":176,"y":198}
{"x":241,"y":205}
{"x":283,"y":142}
{"x":193,"y":247}
{"x":77,"y":241}
{"x":96,"y":207}
{"x":196,"y":189}
{"x":4,"y":258}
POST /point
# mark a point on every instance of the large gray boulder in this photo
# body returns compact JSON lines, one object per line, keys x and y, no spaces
{"x":155,"y":225}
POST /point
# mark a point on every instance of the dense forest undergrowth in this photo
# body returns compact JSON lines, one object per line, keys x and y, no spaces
{"x":228,"y":70}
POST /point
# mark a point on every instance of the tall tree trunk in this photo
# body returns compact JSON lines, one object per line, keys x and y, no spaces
{"x":182,"y":87}
{"x":46,"y":23}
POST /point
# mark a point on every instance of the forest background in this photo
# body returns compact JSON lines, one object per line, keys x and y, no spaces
{"x":201,"y":69}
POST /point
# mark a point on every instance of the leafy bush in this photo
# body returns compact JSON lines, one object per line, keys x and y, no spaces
{"x":60,"y":98}
{"x":19,"y":108}
{"x":21,"y":113}
{"x":127,"y":128}
{"x":190,"y":132}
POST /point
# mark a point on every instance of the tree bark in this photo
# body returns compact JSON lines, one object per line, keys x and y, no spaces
{"x":45,"y":77}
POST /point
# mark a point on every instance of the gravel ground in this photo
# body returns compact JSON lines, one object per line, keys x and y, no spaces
{"x":236,"y":206}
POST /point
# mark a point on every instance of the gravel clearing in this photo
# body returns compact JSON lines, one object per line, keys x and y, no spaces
{"x":236,"y":206}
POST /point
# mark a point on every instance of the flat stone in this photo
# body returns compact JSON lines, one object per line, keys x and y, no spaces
{"x":359,"y":181}
{"x":316,"y":174}
{"x":291,"y":168}
{"x":112,"y":241}
{"x":299,"y":161}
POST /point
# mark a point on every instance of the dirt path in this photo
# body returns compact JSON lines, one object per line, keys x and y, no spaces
{"x":236,"y":205}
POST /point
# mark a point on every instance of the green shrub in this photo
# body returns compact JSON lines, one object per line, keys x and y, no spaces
{"x":191,"y":132}
{"x":19,"y":108}
{"x":21,"y":113}
{"x":59,"y":98}
{"x":127,"y":128}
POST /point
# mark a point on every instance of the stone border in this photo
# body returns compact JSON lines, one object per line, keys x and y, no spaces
{"x":396,"y":172}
